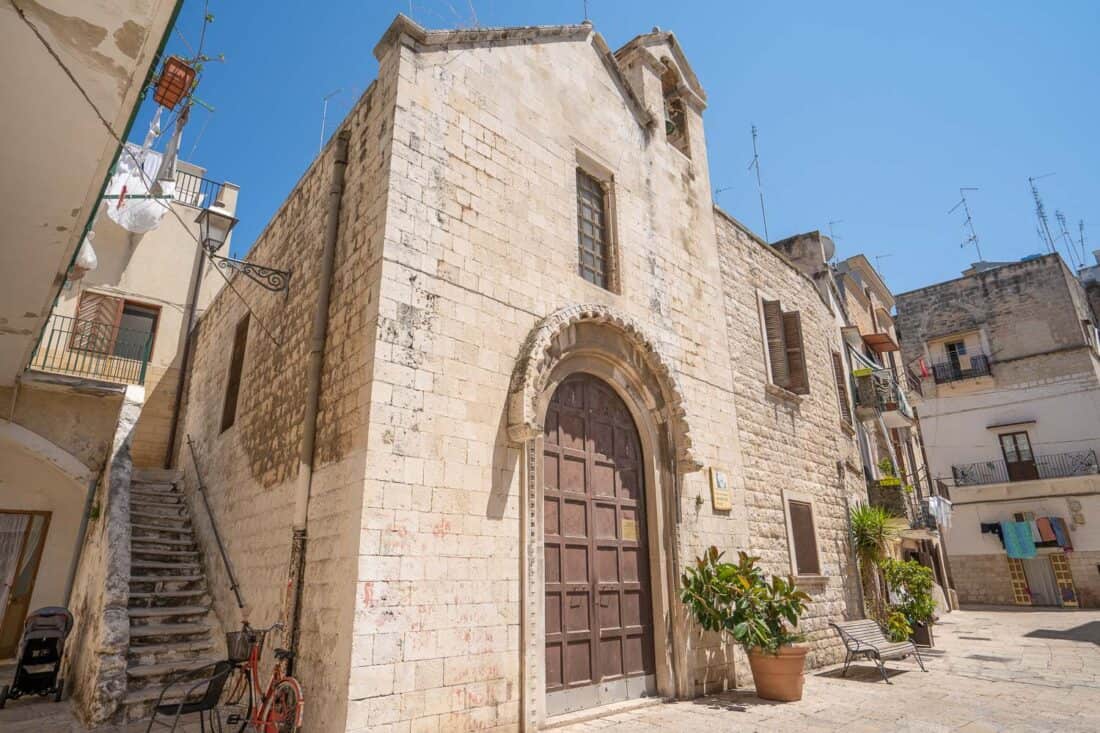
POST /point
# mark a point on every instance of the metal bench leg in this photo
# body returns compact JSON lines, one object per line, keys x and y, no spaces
{"x":916,"y":653}
{"x":882,"y":669}
{"x":847,"y":661}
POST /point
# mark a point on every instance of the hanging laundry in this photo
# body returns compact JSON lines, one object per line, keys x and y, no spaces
{"x":1017,"y":539}
{"x":993,"y":528}
{"x":1061,"y":532}
{"x":1036,"y":537}
{"x":137,"y":201}
{"x":1046,"y":532}
{"x":940,"y":508}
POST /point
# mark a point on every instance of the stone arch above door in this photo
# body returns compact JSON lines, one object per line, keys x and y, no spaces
{"x":603,"y":332}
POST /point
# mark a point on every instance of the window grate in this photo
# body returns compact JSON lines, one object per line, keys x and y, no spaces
{"x":592,"y":237}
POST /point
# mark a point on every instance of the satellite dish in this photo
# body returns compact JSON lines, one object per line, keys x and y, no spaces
{"x":828,"y":247}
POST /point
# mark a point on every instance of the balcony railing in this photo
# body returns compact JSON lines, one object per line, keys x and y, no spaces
{"x":93,"y":349}
{"x":196,"y":191}
{"x":954,"y":371}
{"x":878,"y":390}
{"x":1060,"y":465}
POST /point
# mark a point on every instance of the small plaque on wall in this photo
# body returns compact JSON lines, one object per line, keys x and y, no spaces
{"x":721,"y":497}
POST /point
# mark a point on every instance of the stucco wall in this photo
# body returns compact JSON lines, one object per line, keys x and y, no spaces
{"x":792,"y":443}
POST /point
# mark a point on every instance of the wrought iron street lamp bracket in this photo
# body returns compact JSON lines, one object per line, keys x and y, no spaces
{"x":267,"y":277}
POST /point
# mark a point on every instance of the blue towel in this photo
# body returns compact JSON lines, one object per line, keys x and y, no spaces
{"x":1018,"y":542}
{"x":1061,"y":533}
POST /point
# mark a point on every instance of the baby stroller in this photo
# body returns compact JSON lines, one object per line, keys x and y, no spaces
{"x":40,"y":650}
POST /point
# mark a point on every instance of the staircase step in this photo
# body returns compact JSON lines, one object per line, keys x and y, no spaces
{"x":166,"y":578}
{"x":148,"y":540}
{"x":162,"y":668}
{"x":162,"y":553}
{"x":145,"y":505}
{"x":168,"y":611}
{"x":169,"y":629}
{"x":148,"y":515}
{"x":172,"y":647}
{"x":153,"y":595}
{"x":159,"y":528}
{"x":165,"y":565}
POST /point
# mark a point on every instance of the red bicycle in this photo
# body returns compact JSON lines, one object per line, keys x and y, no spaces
{"x":279,"y":708}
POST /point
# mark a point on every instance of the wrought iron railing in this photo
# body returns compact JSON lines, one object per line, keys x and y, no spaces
{"x":1060,"y":465}
{"x":953,"y":371}
{"x":878,"y":389}
{"x":196,"y":191}
{"x":102,"y":351}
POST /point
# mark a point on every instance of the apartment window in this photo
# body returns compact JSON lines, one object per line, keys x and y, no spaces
{"x":786,"y":355}
{"x":593,"y":240}
{"x":233,"y":383}
{"x":841,"y":377}
{"x":801,"y":534}
{"x":114,"y":326}
{"x":956,"y":350}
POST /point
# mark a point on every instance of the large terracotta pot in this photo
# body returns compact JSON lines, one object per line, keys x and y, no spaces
{"x":779,"y":677}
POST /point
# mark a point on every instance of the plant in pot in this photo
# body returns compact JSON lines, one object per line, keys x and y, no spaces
{"x":872,"y":534}
{"x":761,"y":615}
{"x":911,"y":584}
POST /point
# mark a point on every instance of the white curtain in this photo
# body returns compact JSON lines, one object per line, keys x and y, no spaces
{"x":12,"y":529}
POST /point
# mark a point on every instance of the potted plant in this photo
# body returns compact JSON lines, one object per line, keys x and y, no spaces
{"x":911,"y":584}
{"x":872,"y":535}
{"x":737,"y":599}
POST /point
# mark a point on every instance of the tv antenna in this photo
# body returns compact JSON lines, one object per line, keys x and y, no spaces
{"x":723,"y":189}
{"x":833,"y":236}
{"x":1081,"y":237}
{"x":1065,"y":235}
{"x":878,"y":258}
{"x":759,"y":187}
{"x":324,"y":116}
{"x":1041,"y":212}
{"x":969,"y":223}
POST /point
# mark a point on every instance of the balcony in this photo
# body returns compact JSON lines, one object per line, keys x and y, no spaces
{"x":878,"y":392}
{"x":889,"y":495}
{"x":971,"y":366}
{"x":1060,"y":465}
{"x":94,"y":350}
{"x":196,"y":191}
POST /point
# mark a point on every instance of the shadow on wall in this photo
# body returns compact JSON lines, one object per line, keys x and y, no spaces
{"x":505,"y":464}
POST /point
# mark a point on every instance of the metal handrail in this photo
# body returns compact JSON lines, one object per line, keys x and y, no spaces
{"x":196,"y":191}
{"x":949,"y":371}
{"x":1059,"y":465}
{"x":85,"y":348}
{"x":233,"y":584}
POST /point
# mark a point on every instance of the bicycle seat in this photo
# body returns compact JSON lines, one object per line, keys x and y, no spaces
{"x":283,"y":654}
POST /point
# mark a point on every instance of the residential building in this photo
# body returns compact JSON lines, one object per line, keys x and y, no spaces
{"x":1010,"y":366}
{"x":525,"y":372}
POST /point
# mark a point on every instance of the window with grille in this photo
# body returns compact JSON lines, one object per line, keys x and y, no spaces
{"x":233,"y":382}
{"x":802,"y":537}
{"x":786,"y":355}
{"x":593,"y":247}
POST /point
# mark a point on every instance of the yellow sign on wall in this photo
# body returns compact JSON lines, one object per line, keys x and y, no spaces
{"x":721,"y":497}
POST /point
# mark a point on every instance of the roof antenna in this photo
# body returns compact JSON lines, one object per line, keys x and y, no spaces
{"x":586,"y":20}
{"x":1041,"y":212}
{"x":969,"y":223}
{"x":324,"y":115}
{"x":1081,"y":238}
{"x":877,"y":258}
{"x":1070,"y":244}
{"x":759,"y":188}
{"x":833,"y":236}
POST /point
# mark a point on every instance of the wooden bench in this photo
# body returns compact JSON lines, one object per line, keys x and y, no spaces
{"x":865,"y":638}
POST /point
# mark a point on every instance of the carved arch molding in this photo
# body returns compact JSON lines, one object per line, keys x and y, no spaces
{"x":600,"y":331}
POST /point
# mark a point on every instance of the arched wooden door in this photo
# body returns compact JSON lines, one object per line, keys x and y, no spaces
{"x":599,"y":613}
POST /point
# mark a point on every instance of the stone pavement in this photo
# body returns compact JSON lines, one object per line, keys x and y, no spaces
{"x":993,"y":669}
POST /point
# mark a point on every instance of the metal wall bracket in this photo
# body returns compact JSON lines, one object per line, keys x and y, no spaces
{"x":267,"y":277}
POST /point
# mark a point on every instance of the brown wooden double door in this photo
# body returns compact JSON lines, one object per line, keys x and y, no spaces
{"x":599,"y":619}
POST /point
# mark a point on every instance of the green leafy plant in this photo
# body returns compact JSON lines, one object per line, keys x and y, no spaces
{"x":897,"y":626}
{"x":912,"y":583}
{"x":737,"y":599}
{"x":872,"y":534}
{"x":887,"y":467}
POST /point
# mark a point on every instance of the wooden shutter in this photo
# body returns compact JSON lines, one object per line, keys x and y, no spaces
{"x":842,"y":388}
{"x":805,"y":541}
{"x":796,"y":361}
{"x":777,"y":349}
{"x":96,"y":324}
{"x":233,"y":382}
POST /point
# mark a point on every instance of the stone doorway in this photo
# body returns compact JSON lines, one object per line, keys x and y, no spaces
{"x":599,"y":618}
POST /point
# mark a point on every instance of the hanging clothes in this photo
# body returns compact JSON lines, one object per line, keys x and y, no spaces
{"x":1061,"y":532}
{"x":940,"y":508}
{"x":993,"y":528}
{"x":1017,"y":539}
{"x":1046,"y":531}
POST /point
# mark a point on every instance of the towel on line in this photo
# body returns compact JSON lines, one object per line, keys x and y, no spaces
{"x":1018,"y":542}
{"x":1061,"y":532}
{"x":1046,"y":531}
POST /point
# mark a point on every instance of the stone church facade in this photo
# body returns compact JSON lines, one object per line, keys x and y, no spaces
{"x":553,"y":374}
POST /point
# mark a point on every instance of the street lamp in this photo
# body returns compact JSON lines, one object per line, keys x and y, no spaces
{"x":215,"y":224}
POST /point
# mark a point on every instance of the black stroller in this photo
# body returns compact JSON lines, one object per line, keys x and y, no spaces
{"x":38,"y":665}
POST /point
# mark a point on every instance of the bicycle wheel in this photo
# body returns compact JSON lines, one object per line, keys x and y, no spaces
{"x":284,"y":709}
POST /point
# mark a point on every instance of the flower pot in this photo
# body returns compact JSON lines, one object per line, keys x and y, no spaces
{"x":779,"y":677}
{"x":922,"y":635}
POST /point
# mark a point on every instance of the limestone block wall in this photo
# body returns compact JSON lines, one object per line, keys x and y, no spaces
{"x":480,"y":245}
{"x":250,"y":469}
{"x":982,"y":579}
{"x":791,"y":443}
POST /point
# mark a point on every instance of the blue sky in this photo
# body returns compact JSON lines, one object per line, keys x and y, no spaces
{"x":870,"y":114}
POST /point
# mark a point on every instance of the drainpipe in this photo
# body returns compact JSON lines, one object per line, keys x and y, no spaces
{"x":313,"y":391}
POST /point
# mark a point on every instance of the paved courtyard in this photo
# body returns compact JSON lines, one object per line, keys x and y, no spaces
{"x":993,"y":669}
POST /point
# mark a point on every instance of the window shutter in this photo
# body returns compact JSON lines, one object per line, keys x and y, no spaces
{"x":96,"y":324}
{"x":805,"y":541}
{"x":796,"y":362}
{"x":777,"y":350}
{"x":842,"y":388}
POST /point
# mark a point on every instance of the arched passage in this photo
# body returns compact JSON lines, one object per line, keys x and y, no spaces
{"x":596,"y":341}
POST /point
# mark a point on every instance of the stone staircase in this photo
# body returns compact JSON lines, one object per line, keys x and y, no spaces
{"x":172,"y":629}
